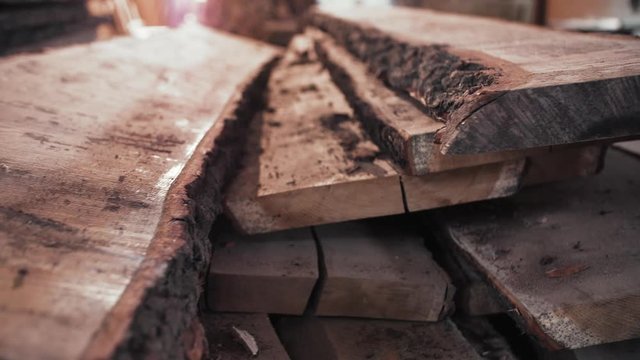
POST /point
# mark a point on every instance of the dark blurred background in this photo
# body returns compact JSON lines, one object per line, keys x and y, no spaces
{"x":29,"y":25}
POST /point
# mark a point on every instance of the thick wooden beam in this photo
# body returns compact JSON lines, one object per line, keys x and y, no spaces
{"x":380,"y":269}
{"x":108,"y":192}
{"x":272,"y":273}
{"x":563,"y":255}
{"x":496,"y":85}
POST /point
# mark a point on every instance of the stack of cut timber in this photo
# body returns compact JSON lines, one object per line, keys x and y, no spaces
{"x":310,"y":161}
{"x":108,"y":192}
{"x":349,"y":291}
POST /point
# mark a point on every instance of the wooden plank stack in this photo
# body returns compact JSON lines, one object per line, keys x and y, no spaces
{"x":377,"y":112}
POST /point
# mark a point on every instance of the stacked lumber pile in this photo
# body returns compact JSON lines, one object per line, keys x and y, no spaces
{"x":369,"y":115}
{"x":115,"y":157}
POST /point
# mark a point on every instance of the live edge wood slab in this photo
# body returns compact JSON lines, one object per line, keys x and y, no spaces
{"x":309,"y":161}
{"x":495,"y":85}
{"x":108,"y":190}
{"x":564,"y":257}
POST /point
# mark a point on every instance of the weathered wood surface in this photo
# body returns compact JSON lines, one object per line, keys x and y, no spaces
{"x":224,"y":344}
{"x":346,"y":339}
{"x":271,"y":273}
{"x":107,"y":193}
{"x":380,"y":269}
{"x":565,"y":256}
{"x":496,"y":85}
{"x":395,"y":123}
{"x":309,"y":161}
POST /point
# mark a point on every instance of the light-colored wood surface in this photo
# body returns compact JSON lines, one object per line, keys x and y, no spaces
{"x":463,"y":185}
{"x":93,"y":138}
{"x":497,"y":85}
{"x":309,"y":161}
{"x":224,"y":345}
{"x":347,"y":339}
{"x":563,"y":255}
{"x":271,"y":273}
{"x":380,"y":269}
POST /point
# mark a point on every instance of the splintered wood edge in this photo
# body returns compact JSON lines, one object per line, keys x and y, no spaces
{"x":182,"y":233}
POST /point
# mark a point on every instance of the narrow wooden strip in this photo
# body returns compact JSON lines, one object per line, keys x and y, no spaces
{"x":273,"y":273}
{"x":463,"y":185}
{"x":379,"y":269}
{"x":562,"y":255}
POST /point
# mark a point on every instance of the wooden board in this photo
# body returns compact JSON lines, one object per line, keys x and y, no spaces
{"x":563,"y":255}
{"x":346,"y":339}
{"x":273,"y":273}
{"x":107,"y":193}
{"x":395,"y":123}
{"x":310,"y":162}
{"x":380,"y":269}
{"x":224,"y":343}
{"x":496,"y":85}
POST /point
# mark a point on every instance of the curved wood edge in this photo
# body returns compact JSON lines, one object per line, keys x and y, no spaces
{"x":550,"y":115}
{"x":162,"y":298}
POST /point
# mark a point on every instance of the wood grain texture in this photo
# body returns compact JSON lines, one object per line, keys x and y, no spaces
{"x":102,"y":149}
{"x":563,"y":255}
{"x":497,"y":85}
{"x":395,"y":123}
{"x":380,"y":269}
{"x":310,"y":162}
{"x":345,"y":339}
{"x":223,"y":344}
{"x":272,"y":273}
